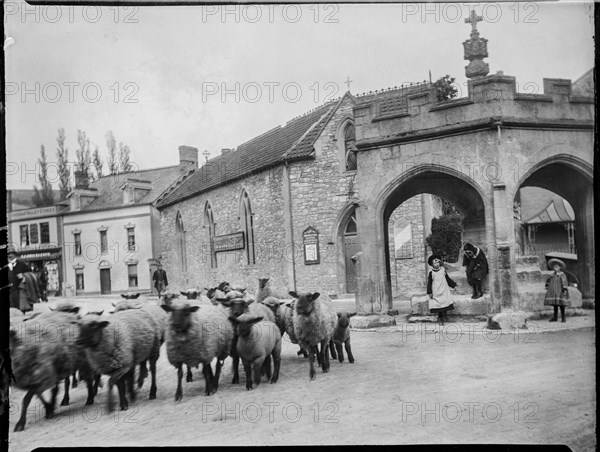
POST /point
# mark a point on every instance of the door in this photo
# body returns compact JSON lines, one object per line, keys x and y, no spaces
{"x":105,"y":280}
{"x":351,"y":247}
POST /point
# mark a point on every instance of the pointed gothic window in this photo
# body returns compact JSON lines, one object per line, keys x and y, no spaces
{"x":209,"y":223}
{"x":248,"y":227}
{"x":350,"y":147}
{"x":181,"y":248}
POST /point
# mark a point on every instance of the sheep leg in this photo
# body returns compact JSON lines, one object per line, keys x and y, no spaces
{"x":348,"y":350}
{"x":50,"y":406}
{"x":276,"y":365}
{"x":153,"y":377}
{"x":319,"y":355}
{"x":332,"y":349}
{"x":267,"y":366}
{"x":97,"y":383}
{"x":248,"y":370}
{"x":311,"y":360}
{"x":325,"y":352}
{"x":143,"y":374}
{"x":74,"y":380}
{"x":340,"y":351}
{"x":236,"y":360}
{"x":302,"y":352}
{"x":26,"y":401}
{"x":217,"y":374}
{"x":208,"y":378}
{"x":91,"y":390}
{"x":122,"y":387}
{"x":188,"y":377}
{"x":65,"y":400}
{"x":257,"y":367}
{"x":178,"y":395}
{"x":128,"y":382}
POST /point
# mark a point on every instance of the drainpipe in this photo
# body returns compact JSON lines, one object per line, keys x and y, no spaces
{"x":289,"y":223}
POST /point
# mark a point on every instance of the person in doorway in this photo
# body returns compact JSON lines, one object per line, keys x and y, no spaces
{"x":16,"y":274}
{"x":557,"y":294}
{"x":43,"y":283}
{"x":476,"y":268}
{"x":160,"y":280}
{"x":438,"y":288}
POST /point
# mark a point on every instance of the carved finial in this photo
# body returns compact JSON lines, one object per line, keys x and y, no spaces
{"x":475,"y":50}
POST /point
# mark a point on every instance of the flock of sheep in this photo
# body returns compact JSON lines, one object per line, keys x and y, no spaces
{"x":51,"y":347}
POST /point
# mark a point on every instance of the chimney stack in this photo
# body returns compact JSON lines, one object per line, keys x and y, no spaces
{"x":226,"y":151}
{"x":188,"y":155}
{"x":80,"y":180}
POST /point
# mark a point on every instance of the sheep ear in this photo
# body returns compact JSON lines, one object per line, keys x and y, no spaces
{"x":32,"y":316}
{"x":193,"y":308}
{"x":315,"y":296}
{"x":51,"y":308}
{"x":255,"y":320}
{"x":183,"y":293}
{"x":166,"y":307}
{"x":74,"y":310}
{"x":339,"y":314}
{"x":294,"y":294}
{"x":103,"y":324}
{"x":351,"y":315}
{"x":225,"y":301}
{"x":233,"y":320}
{"x":114,"y":303}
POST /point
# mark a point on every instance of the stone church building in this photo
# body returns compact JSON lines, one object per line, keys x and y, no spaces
{"x":341,"y":198}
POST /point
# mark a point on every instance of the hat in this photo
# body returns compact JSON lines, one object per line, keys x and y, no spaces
{"x":469,"y":247}
{"x":432,"y":257}
{"x":11,"y":250}
{"x":553,"y":262}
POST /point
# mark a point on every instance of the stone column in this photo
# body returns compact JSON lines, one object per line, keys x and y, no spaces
{"x":505,"y":245}
{"x":585,"y":241}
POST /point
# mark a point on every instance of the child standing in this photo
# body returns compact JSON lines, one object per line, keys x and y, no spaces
{"x":556,"y":289}
{"x":438,"y":288}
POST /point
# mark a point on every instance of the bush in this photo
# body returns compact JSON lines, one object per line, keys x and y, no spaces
{"x":445,"y":237}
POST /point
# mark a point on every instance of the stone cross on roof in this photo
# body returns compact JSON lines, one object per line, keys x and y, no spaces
{"x":348,"y":81}
{"x":206,"y":154}
{"x":473,"y":19}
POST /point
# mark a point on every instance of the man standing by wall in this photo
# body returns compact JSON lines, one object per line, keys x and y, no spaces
{"x":160,"y":280}
{"x":16,"y":270}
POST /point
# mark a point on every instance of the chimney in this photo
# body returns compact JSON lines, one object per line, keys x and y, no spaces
{"x":226,"y":151}
{"x":80,"y":180}
{"x":188,"y":155}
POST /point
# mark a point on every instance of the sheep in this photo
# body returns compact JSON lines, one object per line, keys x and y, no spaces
{"x":196,"y":336}
{"x":314,"y":320}
{"x":283,"y":311}
{"x":45,"y":352}
{"x":341,"y":335}
{"x":129,"y":296}
{"x":258,"y":340}
{"x":159,"y":318}
{"x":265,"y":290}
{"x":115,"y":345}
{"x":237,"y":307}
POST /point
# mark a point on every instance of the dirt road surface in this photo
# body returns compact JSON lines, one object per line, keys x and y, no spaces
{"x":409,"y":385}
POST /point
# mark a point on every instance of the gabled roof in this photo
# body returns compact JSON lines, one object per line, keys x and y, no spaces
{"x":557,"y":211}
{"x":110,"y":195}
{"x":294,"y":141}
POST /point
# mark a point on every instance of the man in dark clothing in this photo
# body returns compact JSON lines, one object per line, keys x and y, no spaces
{"x":43,"y":283}
{"x":476,"y":268}
{"x":160,"y":280}
{"x":16,"y":269}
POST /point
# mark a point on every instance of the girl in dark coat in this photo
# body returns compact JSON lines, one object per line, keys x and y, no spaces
{"x":557,"y":294}
{"x":476,"y":268}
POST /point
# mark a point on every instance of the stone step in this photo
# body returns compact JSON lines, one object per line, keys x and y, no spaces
{"x":532,"y":299}
{"x":463,"y":305}
{"x":462,"y":285}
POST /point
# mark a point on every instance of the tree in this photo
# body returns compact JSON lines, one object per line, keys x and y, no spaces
{"x":44,"y":196}
{"x":444,"y":88}
{"x":84,"y":158}
{"x":124,"y":154}
{"x":97,"y":163}
{"x":445,"y":237}
{"x":64,"y":172}
{"x":113,"y":162}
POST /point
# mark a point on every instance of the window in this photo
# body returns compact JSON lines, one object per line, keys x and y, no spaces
{"x":403,"y":240}
{"x":45,"y":232}
{"x":79,"y":279}
{"x":103,"y":242}
{"x":24,"y":235}
{"x":181,"y":242}
{"x":133,"y":275}
{"x":248,"y":228}
{"x":351,"y":226}
{"x":77,"y":237}
{"x":131,"y":239}
{"x":350,"y":148}
{"x":210,"y":223}
{"x":33,"y":233}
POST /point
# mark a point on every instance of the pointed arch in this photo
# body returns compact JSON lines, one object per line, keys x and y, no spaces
{"x":209,"y":225}
{"x":181,"y":244}
{"x":247,"y":224}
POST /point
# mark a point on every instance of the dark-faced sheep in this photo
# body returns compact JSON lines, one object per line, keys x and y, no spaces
{"x":115,"y":345}
{"x":196,"y":336}
{"x":341,"y":335}
{"x":258,"y":341}
{"x":237,"y":307}
{"x":314,"y":322}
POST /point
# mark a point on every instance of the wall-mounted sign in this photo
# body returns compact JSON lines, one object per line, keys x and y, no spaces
{"x":228,"y":242}
{"x":310,"y":238}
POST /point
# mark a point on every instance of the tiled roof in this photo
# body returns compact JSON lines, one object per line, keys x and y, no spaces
{"x":292,"y":142}
{"x":110,"y":194}
{"x":392,"y":100}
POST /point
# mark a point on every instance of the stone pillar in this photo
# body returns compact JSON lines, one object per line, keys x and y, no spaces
{"x":505,"y":244}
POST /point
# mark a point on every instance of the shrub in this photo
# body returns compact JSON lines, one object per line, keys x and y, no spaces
{"x":445,"y":237}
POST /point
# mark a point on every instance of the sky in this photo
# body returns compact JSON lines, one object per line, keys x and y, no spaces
{"x":214,"y":77}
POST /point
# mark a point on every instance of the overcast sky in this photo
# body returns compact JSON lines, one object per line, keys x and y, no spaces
{"x":215,"y":77}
